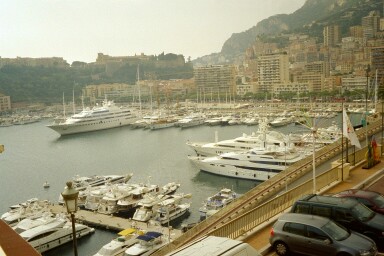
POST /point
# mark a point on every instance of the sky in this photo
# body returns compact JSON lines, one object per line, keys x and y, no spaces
{"x":77,"y":30}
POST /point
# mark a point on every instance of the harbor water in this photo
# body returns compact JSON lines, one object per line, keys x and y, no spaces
{"x":35,"y":154}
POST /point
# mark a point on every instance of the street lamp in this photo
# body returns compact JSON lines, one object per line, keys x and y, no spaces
{"x":70,"y":196}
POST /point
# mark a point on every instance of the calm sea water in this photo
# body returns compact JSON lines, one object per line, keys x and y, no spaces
{"x":35,"y":154}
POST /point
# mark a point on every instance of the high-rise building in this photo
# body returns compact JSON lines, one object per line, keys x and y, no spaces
{"x":332,"y":36}
{"x":215,"y":78}
{"x":371,"y":24}
{"x":272,"y":69}
{"x":377,"y":60}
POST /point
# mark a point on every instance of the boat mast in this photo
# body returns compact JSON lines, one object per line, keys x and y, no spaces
{"x":73,"y":100}
{"x":63,"y":106}
{"x":138,"y":84}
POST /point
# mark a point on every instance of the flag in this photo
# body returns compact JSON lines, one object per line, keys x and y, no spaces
{"x":348,"y":130}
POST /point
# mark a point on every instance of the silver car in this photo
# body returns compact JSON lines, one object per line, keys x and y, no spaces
{"x":315,"y":235}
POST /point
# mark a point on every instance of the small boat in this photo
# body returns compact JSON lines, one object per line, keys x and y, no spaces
{"x":46,"y":185}
{"x":172,"y":208}
{"x":117,"y":246}
{"x":214,"y":203}
{"x":148,"y":243}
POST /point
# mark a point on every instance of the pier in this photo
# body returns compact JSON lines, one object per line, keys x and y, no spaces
{"x":114,"y":223}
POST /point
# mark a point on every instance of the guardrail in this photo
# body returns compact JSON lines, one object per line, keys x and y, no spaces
{"x":253,"y":209}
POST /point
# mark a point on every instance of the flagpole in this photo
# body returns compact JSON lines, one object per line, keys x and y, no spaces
{"x":342,"y":142}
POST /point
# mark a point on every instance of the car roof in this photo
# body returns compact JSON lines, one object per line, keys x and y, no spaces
{"x":340,"y":201}
{"x":357,"y":193}
{"x":307,"y":219}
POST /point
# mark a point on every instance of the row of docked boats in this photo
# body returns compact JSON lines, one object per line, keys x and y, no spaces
{"x":44,"y":230}
{"x":261,"y":155}
{"x":108,"y":115}
{"x":143,"y":202}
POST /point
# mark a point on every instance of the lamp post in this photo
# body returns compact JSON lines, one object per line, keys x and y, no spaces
{"x":366,"y":105}
{"x":70,"y":196}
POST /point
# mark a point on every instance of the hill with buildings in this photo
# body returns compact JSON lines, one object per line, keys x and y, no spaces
{"x":310,"y":20}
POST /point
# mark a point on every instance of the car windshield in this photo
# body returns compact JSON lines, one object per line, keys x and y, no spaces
{"x":335,"y":231}
{"x":362,"y":212}
{"x":379,"y":201}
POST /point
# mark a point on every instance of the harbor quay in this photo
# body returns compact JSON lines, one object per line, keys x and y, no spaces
{"x":115,"y":223}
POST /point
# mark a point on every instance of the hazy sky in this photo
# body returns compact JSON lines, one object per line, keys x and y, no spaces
{"x":79,"y":29}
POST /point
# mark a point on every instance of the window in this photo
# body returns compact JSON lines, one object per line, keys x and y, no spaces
{"x":322,"y":211}
{"x":294,"y":228}
{"x":316,"y":233}
{"x":302,"y":208}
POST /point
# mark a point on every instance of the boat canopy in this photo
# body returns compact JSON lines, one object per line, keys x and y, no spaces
{"x":127,"y":231}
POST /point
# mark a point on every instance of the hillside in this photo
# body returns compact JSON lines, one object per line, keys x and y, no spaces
{"x":309,"y":19}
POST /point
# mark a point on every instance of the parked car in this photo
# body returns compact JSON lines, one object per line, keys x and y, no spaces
{"x":371,"y":199}
{"x":316,"y":235}
{"x":345,"y":211}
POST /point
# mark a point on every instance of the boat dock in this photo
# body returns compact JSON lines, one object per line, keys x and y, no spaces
{"x":114,"y":223}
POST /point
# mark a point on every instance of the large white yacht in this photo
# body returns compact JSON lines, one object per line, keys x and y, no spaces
{"x":51,"y":235}
{"x":106,"y":116}
{"x":172,"y":208}
{"x":259,"y":163}
{"x":243,"y":143}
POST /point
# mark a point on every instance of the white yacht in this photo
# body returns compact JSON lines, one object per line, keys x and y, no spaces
{"x":29,"y":223}
{"x":191,"y":120}
{"x":281,"y":121}
{"x":117,"y":246}
{"x":98,"y":118}
{"x":172,"y":208}
{"x":219,"y":200}
{"x":32,"y":208}
{"x":147,"y":208}
{"x":148,"y":243}
{"x":259,"y":163}
{"x":53,"y":234}
{"x":242,"y":143}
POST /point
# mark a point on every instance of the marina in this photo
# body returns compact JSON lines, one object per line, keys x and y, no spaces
{"x":84,"y":149}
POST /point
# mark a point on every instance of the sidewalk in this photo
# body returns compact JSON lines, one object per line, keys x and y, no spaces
{"x":359,"y":178}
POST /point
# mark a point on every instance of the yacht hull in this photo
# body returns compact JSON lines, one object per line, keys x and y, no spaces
{"x":66,"y":129}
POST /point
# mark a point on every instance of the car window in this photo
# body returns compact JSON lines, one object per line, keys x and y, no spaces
{"x":365,"y":202}
{"x":316,"y":233}
{"x":379,"y":201}
{"x":294,"y":228}
{"x":335,"y":231}
{"x":362,"y":212}
{"x":302,"y":208}
{"x":322,"y":211}
{"x":343,"y":215}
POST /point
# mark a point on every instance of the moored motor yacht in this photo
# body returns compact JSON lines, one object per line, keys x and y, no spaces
{"x":54,"y":234}
{"x":191,"y":120}
{"x":259,"y":163}
{"x":243,"y":143}
{"x":147,"y":243}
{"x":106,"y":116}
{"x":117,"y":246}
{"x":219,"y":200}
{"x":172,"y":208}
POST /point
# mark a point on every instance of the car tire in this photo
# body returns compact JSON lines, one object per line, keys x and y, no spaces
{"x":281,"y":248}
{"x":343,"y":254}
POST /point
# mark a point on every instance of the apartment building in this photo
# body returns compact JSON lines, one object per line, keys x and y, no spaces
{"x":272,"y":69}
{"x":377,"y":61}
{"x":371,"y":24}
{"x":5,"y":103}
{"x":332,"y":35}
{"x":216,"y":78}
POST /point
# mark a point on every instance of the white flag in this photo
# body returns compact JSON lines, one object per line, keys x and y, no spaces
{"x":348,"y":130}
